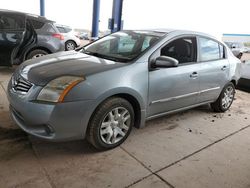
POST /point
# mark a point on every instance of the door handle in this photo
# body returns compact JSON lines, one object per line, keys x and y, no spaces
{"x":194,"y":75}
{"x":224,"y":68}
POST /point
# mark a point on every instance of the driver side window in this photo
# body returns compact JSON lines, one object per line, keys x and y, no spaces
{"x":182,"y":49}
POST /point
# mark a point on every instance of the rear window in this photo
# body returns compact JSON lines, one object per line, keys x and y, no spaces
{"x":12,"y":22}
{"x":63,"y":29}
{"x":37,"y":24}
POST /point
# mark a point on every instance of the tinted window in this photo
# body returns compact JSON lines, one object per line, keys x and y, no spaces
{"x":183,"y":49}
{"x":13,"y":22}
{"x":67,"y":29}
{"x":49,"y":28}
{"x":209,"y":49}
{"x":37,"y":24}
{"x":61,"y":30}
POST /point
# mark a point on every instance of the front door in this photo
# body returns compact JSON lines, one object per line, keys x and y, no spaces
{"x":176,"y":87}
{"x":12,"y":30}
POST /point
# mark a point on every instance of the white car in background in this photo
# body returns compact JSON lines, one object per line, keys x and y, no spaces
{"x":237,"y":48}
{"x":244,"y":81}
{"x":71,"y":41}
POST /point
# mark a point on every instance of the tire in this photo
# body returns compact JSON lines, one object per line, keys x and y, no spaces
{"x":70,"y":45}
{"x":36,"y":53}
{"x":225,"y":99}
{"x":239,"y":55}
{"x":104,"y":123}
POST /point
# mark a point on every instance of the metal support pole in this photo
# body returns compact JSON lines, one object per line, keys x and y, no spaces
{"x":42,"y":7}
{"x":117,"y":15}
{"x":95,"y":19}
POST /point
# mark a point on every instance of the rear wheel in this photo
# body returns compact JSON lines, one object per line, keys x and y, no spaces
{"x":36,"y":53}
{"x":225,"y":99}
{"x":111,"y":123}
{"x":70,"y":45}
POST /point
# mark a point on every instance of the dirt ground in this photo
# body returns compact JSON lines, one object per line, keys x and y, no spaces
{"x":196,"y":148}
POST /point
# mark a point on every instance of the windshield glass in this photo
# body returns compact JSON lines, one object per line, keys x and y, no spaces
{"x":123,"y":46}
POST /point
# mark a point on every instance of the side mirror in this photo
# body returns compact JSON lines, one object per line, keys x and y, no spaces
{"x":165,"y":62}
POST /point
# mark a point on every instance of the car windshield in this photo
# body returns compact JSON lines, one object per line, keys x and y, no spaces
{"x":123,"y":46}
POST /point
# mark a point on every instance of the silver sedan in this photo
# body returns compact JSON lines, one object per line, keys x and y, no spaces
{"x":120,"y":81}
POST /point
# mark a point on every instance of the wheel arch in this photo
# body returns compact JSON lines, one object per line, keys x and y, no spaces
{"x":70,"y":40}
{"x":36,"y":48}
{"x":234,"y":82}
{"x":136,"y":103}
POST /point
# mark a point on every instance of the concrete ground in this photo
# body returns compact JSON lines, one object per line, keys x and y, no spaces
{"x":196,"y":148}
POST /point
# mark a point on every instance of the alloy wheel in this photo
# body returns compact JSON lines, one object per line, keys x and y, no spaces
{"x":115,"y":125}
{"x":228,"y":96}
{"x":70,"y":46}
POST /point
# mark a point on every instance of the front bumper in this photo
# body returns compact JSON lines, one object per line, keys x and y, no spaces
{"x":59,"y":122}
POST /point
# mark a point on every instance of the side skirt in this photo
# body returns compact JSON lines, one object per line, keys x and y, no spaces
{"x":177,"y":110}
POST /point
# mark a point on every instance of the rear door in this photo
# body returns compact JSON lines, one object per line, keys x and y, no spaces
{"x":12,"y":30}
{"x":214,"y":71}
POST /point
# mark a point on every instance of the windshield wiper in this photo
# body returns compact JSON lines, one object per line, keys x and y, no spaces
{"x":105,"y":56}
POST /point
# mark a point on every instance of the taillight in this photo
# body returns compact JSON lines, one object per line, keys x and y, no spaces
{"x":58,"y":36}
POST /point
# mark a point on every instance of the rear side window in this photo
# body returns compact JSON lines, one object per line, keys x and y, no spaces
{"x":210,"y":49}
{"x":37,"y":24}
{"x":49,"y":28}
{"x":12,"y":22}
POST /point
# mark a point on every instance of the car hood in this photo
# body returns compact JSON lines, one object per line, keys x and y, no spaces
{"x":44,"y":69}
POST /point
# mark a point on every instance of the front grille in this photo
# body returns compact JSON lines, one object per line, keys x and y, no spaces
{"x":19,"y":84}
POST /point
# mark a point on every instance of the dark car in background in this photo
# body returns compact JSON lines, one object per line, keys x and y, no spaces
{"x":24,"y":36}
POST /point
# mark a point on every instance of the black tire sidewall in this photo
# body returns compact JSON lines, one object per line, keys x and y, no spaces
{"x":34,"y":52}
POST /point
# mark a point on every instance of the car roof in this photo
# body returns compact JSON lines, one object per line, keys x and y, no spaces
{"x":189,"y":32}
{"x":165,"y":31}
{"x":65,"y":26}
{"x":32,"y":16}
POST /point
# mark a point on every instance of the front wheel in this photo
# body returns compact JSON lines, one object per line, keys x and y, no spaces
{"x":225,"y":99}
{"x":111,"y":123}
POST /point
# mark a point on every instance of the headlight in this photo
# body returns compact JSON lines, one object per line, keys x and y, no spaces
{"x":57,"y":89}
